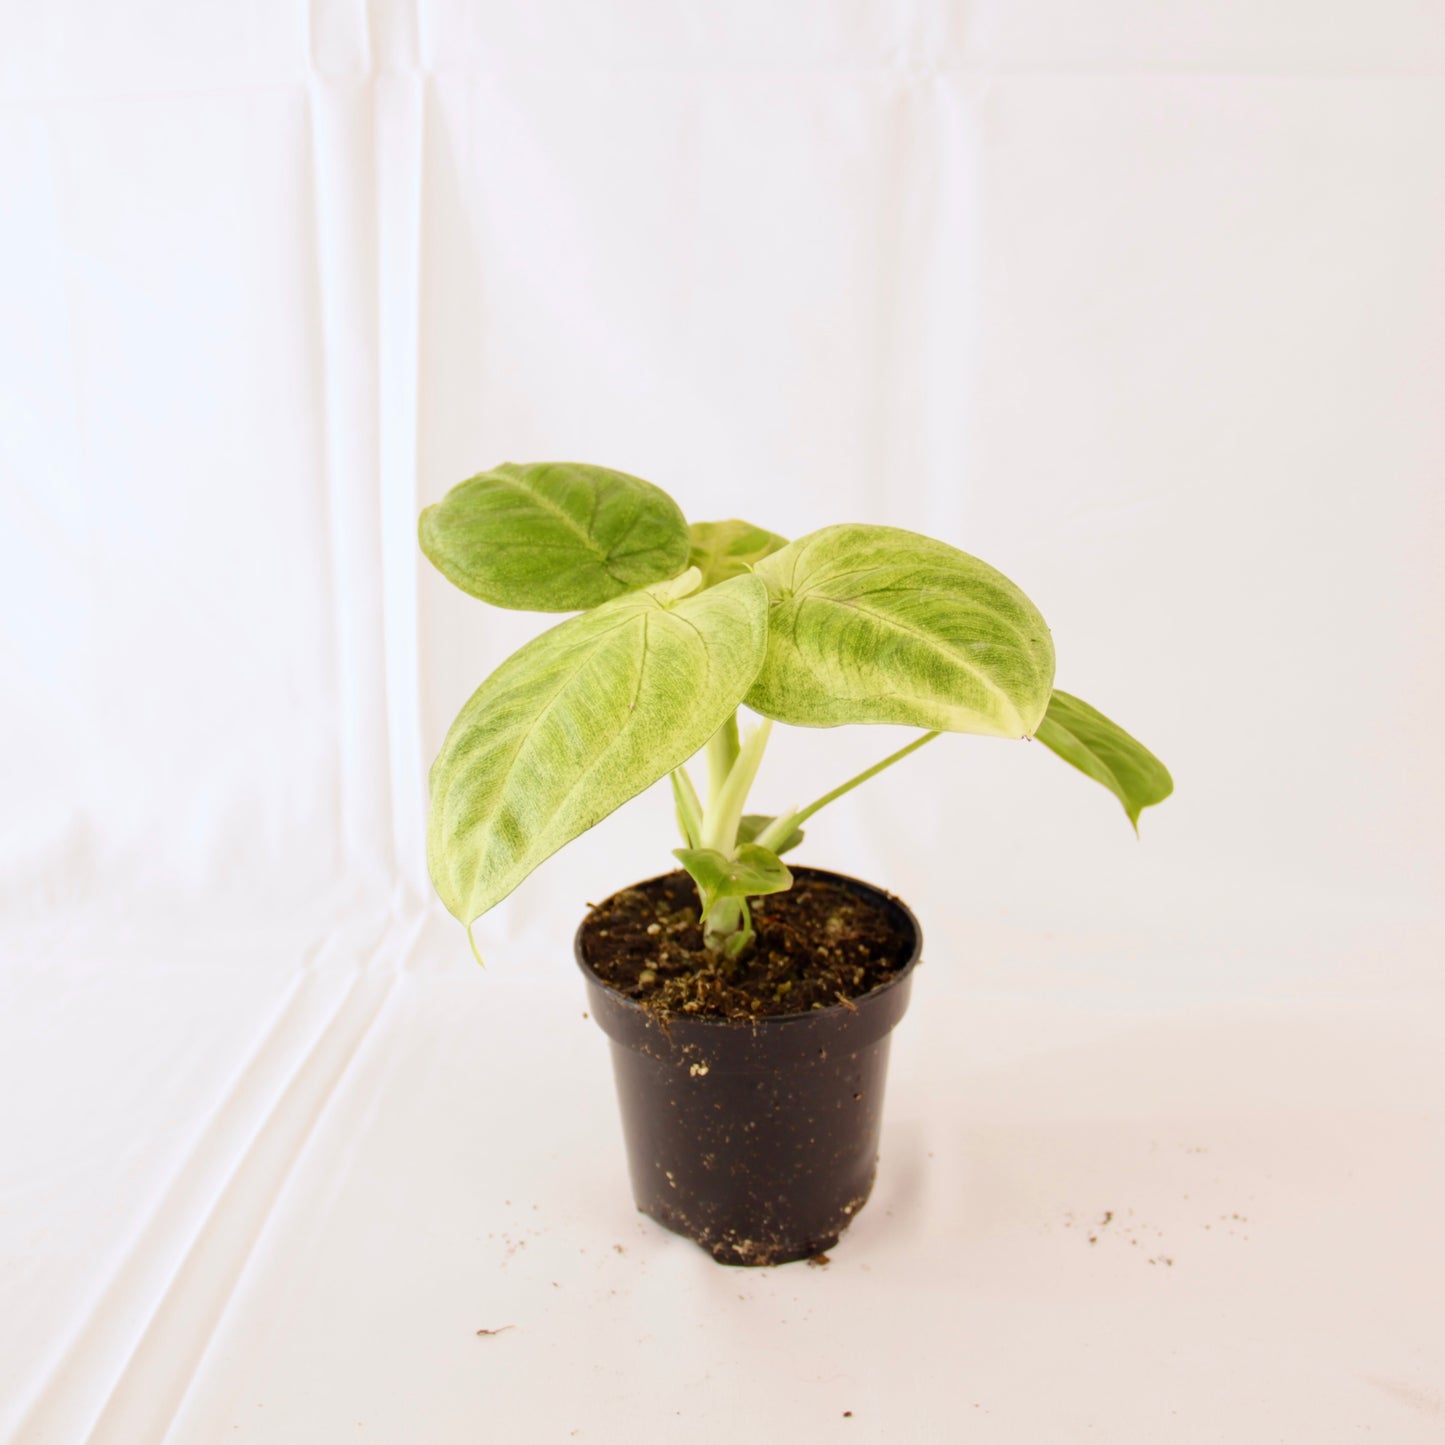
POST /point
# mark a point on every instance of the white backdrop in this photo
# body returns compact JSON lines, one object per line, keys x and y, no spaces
{"x":1143,"y":305}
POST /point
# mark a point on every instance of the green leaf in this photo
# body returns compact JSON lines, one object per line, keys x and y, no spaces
{"x":753,"y":872}
{"x":753,"y":823}
{"x":878,"y":625}
{"x":1083,"y":736}
{"x":554,"y":536}
{"x":580,"y":720}
{"x":728,"y":549}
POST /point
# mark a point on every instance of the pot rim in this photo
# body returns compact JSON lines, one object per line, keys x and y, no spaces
{"x":904,"y":971}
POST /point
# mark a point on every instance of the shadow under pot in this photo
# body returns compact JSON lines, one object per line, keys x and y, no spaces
{"x":757,"y":1138}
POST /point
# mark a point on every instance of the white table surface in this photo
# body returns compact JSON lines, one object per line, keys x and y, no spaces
{"x":285,"y":1210}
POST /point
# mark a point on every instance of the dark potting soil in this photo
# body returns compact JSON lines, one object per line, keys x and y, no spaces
{"x":817,"y":945}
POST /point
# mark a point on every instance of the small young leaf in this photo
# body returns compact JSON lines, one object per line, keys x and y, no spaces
{"x":753,"y":872}
{"x":580,"y":720}
{"x":554,"y":536}
{"x":1083,"y":736}
{"x":877,"y":625}
{"x":728,"y":549}
{"x":752,"y":824}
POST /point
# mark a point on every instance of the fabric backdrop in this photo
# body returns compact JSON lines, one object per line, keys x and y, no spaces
{"x":1144,"y":305}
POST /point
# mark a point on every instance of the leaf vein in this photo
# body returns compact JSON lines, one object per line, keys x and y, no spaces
{"x":932,"y":644}
{"x":546,"y":504}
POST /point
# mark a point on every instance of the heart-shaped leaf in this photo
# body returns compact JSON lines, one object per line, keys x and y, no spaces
{"x":1083,"y":736}
{"x":878,"y":625}
{"x":753,"y":872}
{"x":554,"y":536}
{"x":751,"y":824}
{"x":728,"y":549}
{"x":580,"y":720}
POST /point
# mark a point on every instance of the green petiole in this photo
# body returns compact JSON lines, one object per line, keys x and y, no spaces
{"x":785,"y":823}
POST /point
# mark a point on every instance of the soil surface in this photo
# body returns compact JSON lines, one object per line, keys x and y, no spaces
{"x":818,"y":944}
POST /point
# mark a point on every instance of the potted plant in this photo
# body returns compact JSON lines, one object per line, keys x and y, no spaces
{"x":749,"y":1004}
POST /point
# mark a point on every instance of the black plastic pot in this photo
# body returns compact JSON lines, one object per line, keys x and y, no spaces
{"x":756,"y":1138}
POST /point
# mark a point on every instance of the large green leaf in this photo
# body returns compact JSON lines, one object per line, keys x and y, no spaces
{"x":554,"y":536}
{"x":580,"y":720}
{"x":877,"y":625}
{"x":728,"y":549}
{"x":1083,"y":736}
{"x":752,"y":872}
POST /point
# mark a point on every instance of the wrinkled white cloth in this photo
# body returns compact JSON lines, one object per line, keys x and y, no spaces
{"x":1143,"y":306}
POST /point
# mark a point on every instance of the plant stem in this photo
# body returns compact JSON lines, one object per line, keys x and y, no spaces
{"x":785,"y":823}
{"x":722,"y":753}
{"x":725,"y":806}
{"x":730,"y":920}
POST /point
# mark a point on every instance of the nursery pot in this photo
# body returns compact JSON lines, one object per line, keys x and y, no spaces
{"x":756,"y":1138}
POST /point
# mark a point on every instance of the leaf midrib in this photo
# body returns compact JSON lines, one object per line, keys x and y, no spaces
{"x":547,"y":505}
{"x":882,"y":619}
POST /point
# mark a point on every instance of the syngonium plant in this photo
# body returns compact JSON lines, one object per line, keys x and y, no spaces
{"x":678,"y":627}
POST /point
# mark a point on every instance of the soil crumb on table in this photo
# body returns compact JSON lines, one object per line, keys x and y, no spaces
{"x":818,"y":944}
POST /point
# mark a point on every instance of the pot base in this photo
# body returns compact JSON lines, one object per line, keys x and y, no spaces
{"x":754,"y":1253}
